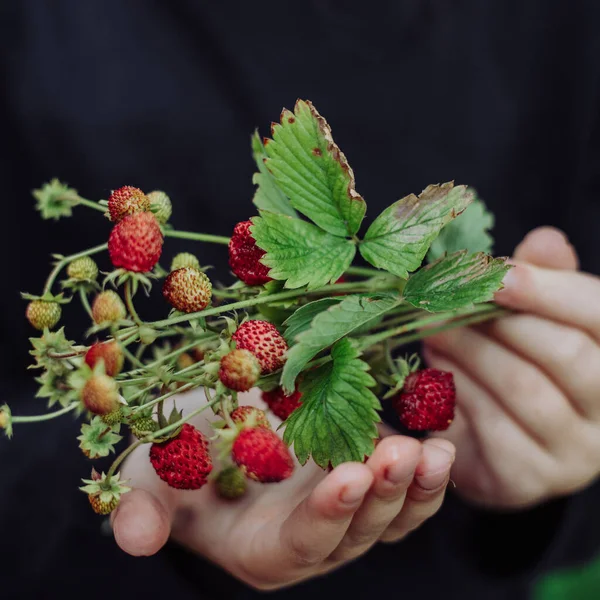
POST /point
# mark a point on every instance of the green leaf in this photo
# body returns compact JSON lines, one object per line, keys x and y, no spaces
{"x":300,"y":321}
{"x":312,"y":171}
{"x":336,"y":422}
{"x":299,"y":252}
{"x":400,"y":236}
{"x":330,"y":326}
{"x":469,"y":231}
{"x":456,"y":281}
{"x":268,"y":196}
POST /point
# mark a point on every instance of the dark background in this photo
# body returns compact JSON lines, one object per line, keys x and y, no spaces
{"x":500,"y":95}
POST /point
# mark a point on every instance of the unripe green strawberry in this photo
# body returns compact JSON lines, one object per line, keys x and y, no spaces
{"x":239,"y":370}
{"x":143,"y":426}
{"x":42,"y":314}
{"x":100,"y":394}
{"x":161,"y":205}
{"x":187,"y":290}
{"x":185,"y":259}
{"x":127,"y":200}
{"x":110,"y":353}
{"x":113,"y":418}
{"x":108,"y":308}
{"x":83,"y":269}
{"x":230,"y":483}
{"x":103,"y":493}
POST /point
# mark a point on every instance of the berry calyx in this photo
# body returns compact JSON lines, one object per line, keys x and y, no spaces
{"x":43,"y":314}
{"x":250,"y":416}
{"x":185,"y":259}
{"x":135,"y":243}
{"x":187,"y":290}
{"x":110,"y":353}
{"x":108,"y":308}
{"x":262,"y":455}
{"x":161,"y":205}
{"x":281,"y":404}
{"x":127,"y":200}
{"x":264,"y":341}
{"x":230,"y":483}
{"x":83,"y":269}
{"x":100,"y":394}
{"x":239,"y":370}
{"x":183,"y":462}
{"x":427,"y":400}
{"x":245,"y":256}
{"x":104,"y":494}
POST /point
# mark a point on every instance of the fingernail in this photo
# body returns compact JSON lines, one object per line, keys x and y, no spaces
{"x":510,"y":280}
{"x":353,"y":493}
{"x":399,"y":472}
{"x":436,"y":468}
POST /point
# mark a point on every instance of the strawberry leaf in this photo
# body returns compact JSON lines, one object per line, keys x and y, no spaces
{"x":469,"y":231}
{"x":300,"y":253}
{"x":331,"y":325}
{"x":301,"y":319}
{"x":337,"y":419}
{"x":268,"y":196}
{"x":400,"y":236}
{"x":312,"y":171}
{"x":456,"y":281}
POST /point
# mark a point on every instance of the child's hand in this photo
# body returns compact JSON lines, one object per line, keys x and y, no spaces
{"x":528,"y":418}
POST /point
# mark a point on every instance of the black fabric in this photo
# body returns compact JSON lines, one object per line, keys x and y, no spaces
{"x":502,"y":95}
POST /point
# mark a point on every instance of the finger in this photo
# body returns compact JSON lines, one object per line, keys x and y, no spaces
{"x":564,"y":296}
{"x":518,"y":386}
{"x":426,"y":493}
{"x":317,"y":525}
{"x":393,"y":465}
{"x":547,"y":247}
{"x":568,"y":356}
{"x":142,"y":521}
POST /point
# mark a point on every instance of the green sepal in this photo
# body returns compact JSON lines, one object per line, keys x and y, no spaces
{"x":6,"y":420}
{"x":55,"y":200}
{"x":98,"y":439}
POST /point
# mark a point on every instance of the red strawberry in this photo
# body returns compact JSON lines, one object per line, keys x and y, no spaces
{"x":183,"y":461}
{"x":252,"y":415}
{"x":280,"y":403}
{"x":135,"y":243}
{"x":262,"y":455}
{"x":427,"y":400}
{"x":239,"y":370}
{"x":108,"y":308}
{"x":110,"y":352}
{"x":100,"y":394}
{"x":245,"y":255}
{"x":264,"y":341}
{"x":125,"y":201}
{"x":188,"y":290}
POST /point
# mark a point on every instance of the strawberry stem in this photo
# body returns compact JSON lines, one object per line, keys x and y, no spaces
{"x":129,"y":303}
{"x":84,"y":302}
{"x":46,"y":417}
{"x":90,"y":204}
{"x":198,"y":237}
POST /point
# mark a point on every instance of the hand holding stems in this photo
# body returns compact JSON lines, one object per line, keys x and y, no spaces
{"x":527,"y":427}
{"x":280,"y":534}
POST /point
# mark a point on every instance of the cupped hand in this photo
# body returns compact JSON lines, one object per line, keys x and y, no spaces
{"x":527,"y":427}
{"x":278,"y":534}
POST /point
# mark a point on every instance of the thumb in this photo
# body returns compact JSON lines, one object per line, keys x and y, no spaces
{"x":547,"y":247}
{"x":142,"y":521}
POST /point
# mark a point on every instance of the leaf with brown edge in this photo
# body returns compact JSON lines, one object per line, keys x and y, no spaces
{"x":313,"y":172}
{"x":400,"y":236}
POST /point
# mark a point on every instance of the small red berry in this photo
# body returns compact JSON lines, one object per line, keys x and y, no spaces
{"x":187,"y":290}
{"x":135,"y":243}
{"x":250,"y":416}
{"x":245,"y":255}
{"x":264,"y":341}
{"x":110,"y":353}
{"x":125,"y":201}
{"x":239,"y":370}
{"x":282,"y":404}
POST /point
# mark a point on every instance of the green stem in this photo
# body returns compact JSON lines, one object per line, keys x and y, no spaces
{"x":46,"y":417}
{"x":84,"y":301}
{"x":365,"y":271}
{"x":117,"y":462}
{"x":129,"y":303}
{"x":91,"y":204}
{"x":132,"y":358}
{"x":198,"y":237}
{"x":66,"y":260}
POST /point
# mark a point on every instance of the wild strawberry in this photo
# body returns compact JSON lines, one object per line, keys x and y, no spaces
{"x":100,"y":394}
{"x":108,"y":308}
{"x":183,"y":461}
{"x":104,"y":494}
{"x":280,"y":403}
{"x":262,"y":455}
{"x":42,"y":314}
{"x":83,"y":269}
{"x":135,"y":243}
{"x":230,"y":483}
{"x":427,"y":400}
{"x":161,"y":205}
{"x":110,"y":353}
{"x":185,"y":360}
{"x":113,"y":418}
{"x":250,"y":416}
{"x":239,"y":370}
{"x":245,"y":255}
{"x":143,"y":426}
{"x":125,"y":201}
{"x":187,"y":290}
{"x":185,"y":259}
{"x":264,"y":341}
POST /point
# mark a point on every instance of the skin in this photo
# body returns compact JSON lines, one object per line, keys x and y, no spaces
{"x":527,"y":429}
